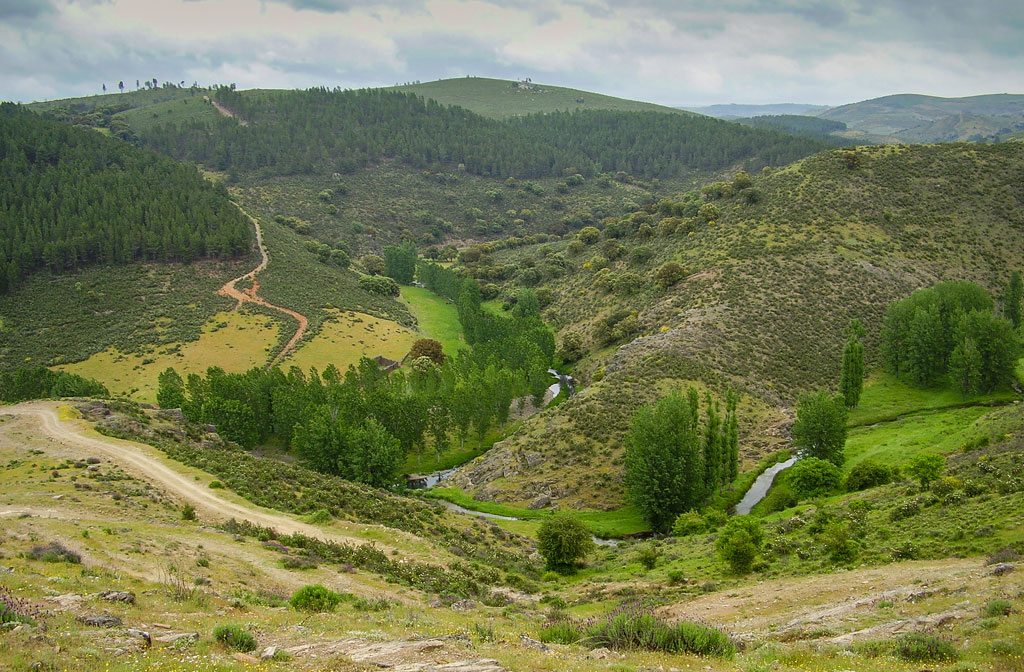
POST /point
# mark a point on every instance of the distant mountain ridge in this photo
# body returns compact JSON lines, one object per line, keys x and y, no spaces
{"x":731,"y":111}
{"x":920,"y":118}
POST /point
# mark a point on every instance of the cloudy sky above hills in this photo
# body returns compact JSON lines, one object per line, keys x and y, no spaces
{"x":673,"y":52}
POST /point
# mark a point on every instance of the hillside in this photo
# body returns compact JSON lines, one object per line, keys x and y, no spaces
{"x":771,"y":285}
{"x":917,"y":118}
{"x":500,"y":98}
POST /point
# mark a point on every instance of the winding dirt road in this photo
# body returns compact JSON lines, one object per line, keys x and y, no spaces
{"x":148,"y":463}
{"x":229,"y":290}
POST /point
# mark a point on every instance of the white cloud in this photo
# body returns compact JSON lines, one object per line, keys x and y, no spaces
{"x":696,"y":52}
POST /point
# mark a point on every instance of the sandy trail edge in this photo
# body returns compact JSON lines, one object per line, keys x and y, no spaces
{"x":147,"y":463}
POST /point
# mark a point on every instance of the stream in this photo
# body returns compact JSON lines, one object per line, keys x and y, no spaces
{"x":761,"y":484}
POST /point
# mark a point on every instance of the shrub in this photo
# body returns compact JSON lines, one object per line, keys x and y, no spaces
{"x":314,"y":599}
{"x":55,"y":552}
{"x":739,"y":543}
{"x":779,"y":498}
{"x":216,"y":485}
{"x":633,"y":626}
{"x":188,"y":512}
{"x":561,"y":630}
{"x":563,"y":540}
{"x":648,"y":557}
{"x":234,"y":637}
{"x":669,"y":274}
{"x":373,"y":604}
{"x":998,"y":608}
{"x":298,"y":562}
{"x":867,"y":474}
{"x":16,"y":610}
{"x":378,"y":284}
{"x":689,"y":523}
{"x":813,"y":477}
{"x":920,"y":648}
{"x":926,"y":467}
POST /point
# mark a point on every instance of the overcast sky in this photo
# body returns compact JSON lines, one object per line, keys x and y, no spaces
{"x":672,"y":52}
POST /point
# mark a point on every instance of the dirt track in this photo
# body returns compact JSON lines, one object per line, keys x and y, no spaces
{"x":231,"y":291}
{"x":147,"y":463}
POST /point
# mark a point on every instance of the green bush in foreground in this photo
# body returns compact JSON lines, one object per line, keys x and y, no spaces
{"x":234,"y":637}
{"x":920,"y":648}
{"x":812,"y":477}
{"x":998,"y":608}
{"x":563,"y":540}
{"x":634,"y":626}
{"x":315,"y":599}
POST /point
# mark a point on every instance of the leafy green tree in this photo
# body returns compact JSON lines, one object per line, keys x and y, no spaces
{"x":985,"y":353}
{"x":373,"y":455}
{"x":170,"y":391}
{"x":1012,"y":299}
{"x":427,"y":347}
{"x":926,"y":467}
{"x":664,"y":464}
{"x":563,"y":541}
{"x":372,"y":264}
{"x":820,"y":427}
{"x":851,"y":381}
{"x":400,"y":262}
{"x":527,"y":304}
{"x":669,"y":274}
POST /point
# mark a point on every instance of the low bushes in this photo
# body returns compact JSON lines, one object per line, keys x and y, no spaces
{"x":315,"y":599}
{"x":868,"y":474}
{"x":634,"y":626}
{"x":234,"y":637}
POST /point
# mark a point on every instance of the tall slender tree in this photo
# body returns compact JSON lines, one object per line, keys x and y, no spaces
{"x":851,"y":380}
{"x":1012,"y":299}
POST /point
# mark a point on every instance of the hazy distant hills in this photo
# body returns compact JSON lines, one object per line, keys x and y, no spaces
{"x":735,"y":111}
{"x":917,"y":118}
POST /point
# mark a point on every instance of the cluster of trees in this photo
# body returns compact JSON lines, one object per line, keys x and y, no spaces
{"x":39,"y":382}
{"x":71,"y":197}
{"x":949,"y":332}
{"x":321,"y":130}
{"x":362,"y":424}
{"x":676,"y":463}
{"x":798,"y":124}
{"x":400,"y":262}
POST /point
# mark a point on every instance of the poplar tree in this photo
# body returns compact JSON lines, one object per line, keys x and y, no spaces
{"x":1012,"y":299}
{"x":851,"y":380}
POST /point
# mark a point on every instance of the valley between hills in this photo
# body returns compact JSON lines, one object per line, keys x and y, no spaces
{"x":204,"y":468}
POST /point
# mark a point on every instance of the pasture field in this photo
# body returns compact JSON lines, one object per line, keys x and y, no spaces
{"x":234,"y":341}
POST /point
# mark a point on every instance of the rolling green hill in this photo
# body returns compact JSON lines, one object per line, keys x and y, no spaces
{"x":502,"y":98}
{"x":917,"y":118}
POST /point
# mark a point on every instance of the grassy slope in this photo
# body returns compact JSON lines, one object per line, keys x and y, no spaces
{"x":136,"y":309}
{"x":435,"y":317}
{"x":499,"y":98}
{"x":775,"y":284}
{"x":235,"y":341}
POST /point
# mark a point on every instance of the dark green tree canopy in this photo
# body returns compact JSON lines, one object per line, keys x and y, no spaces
{"x":70,"y":197}
{"x":820,"y":427}
{"x":563,"y":541}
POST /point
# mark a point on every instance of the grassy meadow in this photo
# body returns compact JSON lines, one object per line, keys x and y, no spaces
{"x":235,"y":341}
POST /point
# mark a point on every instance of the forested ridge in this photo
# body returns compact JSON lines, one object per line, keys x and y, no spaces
{"x":321,"y":130}
{"x":70,"y":197}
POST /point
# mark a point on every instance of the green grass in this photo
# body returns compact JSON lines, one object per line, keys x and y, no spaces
{"x":941,"y":431}
{"x":435,"y":317}
{"x":611,"y":524}
{"x":177,"y":111}
{"x":885,"y":398}
{"x":499,"y":98}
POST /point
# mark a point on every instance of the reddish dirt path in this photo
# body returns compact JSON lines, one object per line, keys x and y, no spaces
{"x":252,"y":296}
